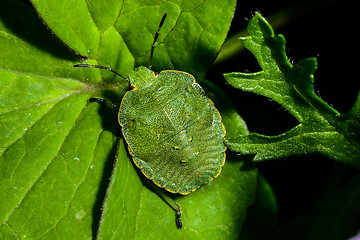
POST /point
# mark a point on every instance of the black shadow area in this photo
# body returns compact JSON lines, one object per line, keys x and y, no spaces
{"x":21,"y":20}
{"x":110,"y":124}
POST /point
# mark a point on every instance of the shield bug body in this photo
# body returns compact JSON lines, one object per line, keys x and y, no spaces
{"x":173,"y":131}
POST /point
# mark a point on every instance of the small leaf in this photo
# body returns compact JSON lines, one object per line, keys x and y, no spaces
{"x":321,"y":128}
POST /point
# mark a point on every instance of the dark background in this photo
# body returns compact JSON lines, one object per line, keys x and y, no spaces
{"x":327,"y":30}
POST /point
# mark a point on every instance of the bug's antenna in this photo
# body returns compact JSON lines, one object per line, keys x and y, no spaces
{"x":155,"y":38}
{"x":101,"y":67}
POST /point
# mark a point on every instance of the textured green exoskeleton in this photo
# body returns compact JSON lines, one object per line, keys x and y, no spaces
{"x":173,"y":131}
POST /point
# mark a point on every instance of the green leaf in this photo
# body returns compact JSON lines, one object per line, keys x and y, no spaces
{"x":321,"y":128}
{"x":71,"y":21}
{"x":263,"y":215}
{"x":203,"y":23}
{"x":57,"y":148}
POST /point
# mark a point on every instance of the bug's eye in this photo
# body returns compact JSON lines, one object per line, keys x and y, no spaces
{"x":132,"y":87}
{"x":156,"y":74}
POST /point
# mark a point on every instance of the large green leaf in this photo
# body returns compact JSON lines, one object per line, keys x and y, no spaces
{"x":57,"y":148}
{"x":105,"y":31}
{"x":321,"y":128}
{"x":215,"y":211}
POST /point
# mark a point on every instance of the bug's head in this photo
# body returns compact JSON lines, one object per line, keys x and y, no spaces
{"x":141,"y":77}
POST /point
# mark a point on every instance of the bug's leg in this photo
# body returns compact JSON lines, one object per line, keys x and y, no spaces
{"x":100,"y":67}
{"x":178,"y":216}
{"x":155,"y":38}
{"x":104,"y":101}
{"x":171,"y":202}
{"x":99,"y":100}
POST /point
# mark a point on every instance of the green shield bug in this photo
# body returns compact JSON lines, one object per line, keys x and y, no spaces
{"x":173,"y":131}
